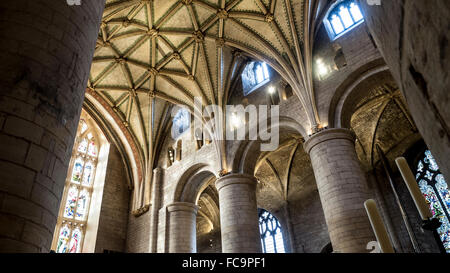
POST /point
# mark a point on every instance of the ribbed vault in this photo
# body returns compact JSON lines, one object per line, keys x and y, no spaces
{"x":151,"y":54}
{"x":284,"y":175}
{"x":382,"y":118}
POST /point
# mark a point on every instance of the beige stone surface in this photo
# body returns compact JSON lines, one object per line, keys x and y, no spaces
{"x":238,"y":214}
{"x":342,"y":187}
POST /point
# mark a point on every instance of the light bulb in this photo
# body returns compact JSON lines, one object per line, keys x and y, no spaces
{"x":235,"y":122}
{"x":322,"y":70}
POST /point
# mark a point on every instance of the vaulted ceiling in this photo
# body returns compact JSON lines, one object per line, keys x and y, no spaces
{"x":381,"y":117}
{"x":208,"y":213}
{"x":151,"y":54}
{"x":284,"y":175}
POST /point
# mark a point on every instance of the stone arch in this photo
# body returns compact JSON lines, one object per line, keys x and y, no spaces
{"x":107,"y":121}
{"x":192,"y":183}
{"x":246,"y":152}
{"x":209,"y":239}
{"x":370,"y":104}
{"x":352,"y":89}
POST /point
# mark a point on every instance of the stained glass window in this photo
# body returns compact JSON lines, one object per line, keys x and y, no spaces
{"x":75,"y":242}
{"x":63,"y":239}
{"x":435,"y":190}
{"x":271,"y":235}
{"x":82,"y":147}
{"x":83,"y":126}
{"x":73,"y":216}
{"x":343,"y":17}
{"x":255,"y":75}
{"x":92,"y":150}
{"x":82,"y":204}
{"x":87,"y":175}
{"x":77,"y":170}
{"x":72,"y":197}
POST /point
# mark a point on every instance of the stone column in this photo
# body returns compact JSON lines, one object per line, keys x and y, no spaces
{"x":238,"y":214}
{"x":414,"y":39}
{"x":182,"y":227}
{"x":342,"y":188}
{"x":46,"y":52}
{"x":156,"y":197}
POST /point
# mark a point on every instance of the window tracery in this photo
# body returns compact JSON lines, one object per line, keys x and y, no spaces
{"x":271,"y":234}
{"x":435,"y":190}
{"x":342,"y":17}
{"x":255,"y":75}
{"x":72,"y":220}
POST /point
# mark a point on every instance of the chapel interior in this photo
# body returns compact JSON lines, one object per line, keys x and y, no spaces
{"x":114,"y":122}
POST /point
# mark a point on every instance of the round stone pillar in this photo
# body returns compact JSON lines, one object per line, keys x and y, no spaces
{"x":342,"y":188}
{"x":182,"y":227}
{"x":238,"y":214}
{"x":46,"y":51}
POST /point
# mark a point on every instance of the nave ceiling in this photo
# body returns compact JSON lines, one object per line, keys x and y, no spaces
{"x":152,"y":54}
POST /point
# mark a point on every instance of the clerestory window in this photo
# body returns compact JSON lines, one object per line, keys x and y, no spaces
{"x":255,"y":75}
{"x":342,"y":17}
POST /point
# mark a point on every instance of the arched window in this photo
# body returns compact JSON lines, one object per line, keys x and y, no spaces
{"x":255,"y":75}
{"x":271,"y":235}
{"x":198,"y":138}
{"x":179,"y":149}
{"x":181,"y":122}
{"x":73,"y":216}
{"x":435,"y":189}
{"x":342,"y":17}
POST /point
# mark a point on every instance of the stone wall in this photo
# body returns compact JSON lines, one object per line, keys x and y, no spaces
{"x":112,"y":228}
{"x":308,"y":223}
{"x":360,"y":54}
{"x":138,"y":233}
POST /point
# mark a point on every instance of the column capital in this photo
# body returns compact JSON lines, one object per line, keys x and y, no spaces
{"x":182,"y":206}
{"x":328,"y":134}
{"x":235,"y":178}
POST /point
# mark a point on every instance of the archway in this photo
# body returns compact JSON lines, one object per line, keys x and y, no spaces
{"x":286,"y":185}
{"x":375,"y":110}
{"x":195,"y":211}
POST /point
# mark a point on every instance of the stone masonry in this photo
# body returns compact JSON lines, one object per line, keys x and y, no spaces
{"x":238,"y":214}
{"x":182,"y":231}
{"x":342,"y":188}
{"x":46,"y":52}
